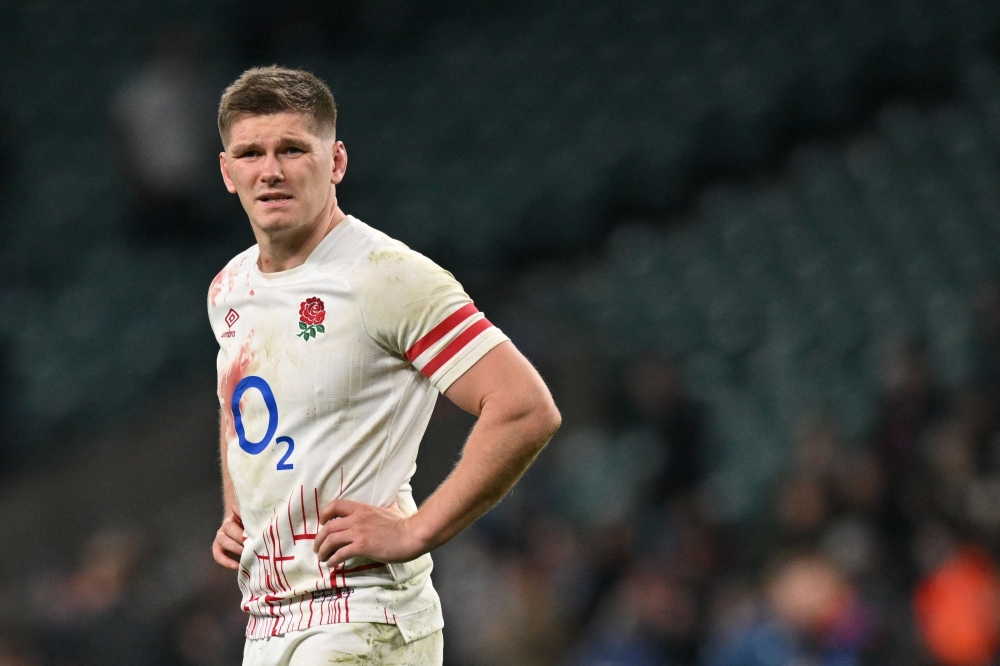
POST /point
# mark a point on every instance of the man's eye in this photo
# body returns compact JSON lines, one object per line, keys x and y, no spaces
{"x":294,"y":150}
{"x":249,"y":153}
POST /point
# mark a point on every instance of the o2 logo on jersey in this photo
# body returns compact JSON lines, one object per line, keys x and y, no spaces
{"x":253,"y":448}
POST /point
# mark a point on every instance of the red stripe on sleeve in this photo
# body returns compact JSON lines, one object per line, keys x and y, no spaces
{"x":441,"y":330}
{"x":456,"y":346}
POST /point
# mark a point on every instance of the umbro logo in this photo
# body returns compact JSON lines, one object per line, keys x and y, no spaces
{"x":231,"y":317}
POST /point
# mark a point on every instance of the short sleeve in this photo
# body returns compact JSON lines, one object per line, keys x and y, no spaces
{"x":414,"y":308}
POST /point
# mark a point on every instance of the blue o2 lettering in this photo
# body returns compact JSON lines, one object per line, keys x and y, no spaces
{"x":247,"y":383}
{"x":291,"y":447}
{"x":253,"y":448}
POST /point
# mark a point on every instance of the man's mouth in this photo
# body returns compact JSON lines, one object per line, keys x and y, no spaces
{"x":274,"y":199}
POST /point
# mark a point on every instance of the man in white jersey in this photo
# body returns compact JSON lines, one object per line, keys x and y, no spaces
{"x":335,"y":341}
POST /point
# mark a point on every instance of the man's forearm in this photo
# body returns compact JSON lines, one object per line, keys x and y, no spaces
{"x":501,"y":446}
{"x":516,"y":418}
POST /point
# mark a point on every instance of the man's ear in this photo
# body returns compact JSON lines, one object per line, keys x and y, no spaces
{"x":339,"y":162}
{"x":226,"y":178}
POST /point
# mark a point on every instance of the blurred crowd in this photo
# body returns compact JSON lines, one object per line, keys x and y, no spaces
{"x":882,"y":551}
{"x":609,"y":552}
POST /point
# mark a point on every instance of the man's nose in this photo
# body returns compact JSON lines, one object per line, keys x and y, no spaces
{"x":271,"y":171}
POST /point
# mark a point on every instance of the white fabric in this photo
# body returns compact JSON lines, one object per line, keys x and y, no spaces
{"x":335,"y":409}
{"x":354,"y":643}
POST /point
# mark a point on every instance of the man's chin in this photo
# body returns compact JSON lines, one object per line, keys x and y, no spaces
{"x":276,"y":223}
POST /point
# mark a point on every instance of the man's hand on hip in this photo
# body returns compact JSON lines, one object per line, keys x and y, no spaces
{"x":352,"y":529}
{"x":228,"y":544}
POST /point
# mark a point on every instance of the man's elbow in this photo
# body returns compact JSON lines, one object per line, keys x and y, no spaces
{"x":545,"y":422}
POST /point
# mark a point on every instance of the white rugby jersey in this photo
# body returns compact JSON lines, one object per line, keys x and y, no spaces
{"x":328,"y":374}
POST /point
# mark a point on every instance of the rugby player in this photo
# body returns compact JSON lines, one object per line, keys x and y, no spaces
{"x":335,"y":341}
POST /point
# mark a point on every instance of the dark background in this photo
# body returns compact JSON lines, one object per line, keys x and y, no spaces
{"x":753,"y":246}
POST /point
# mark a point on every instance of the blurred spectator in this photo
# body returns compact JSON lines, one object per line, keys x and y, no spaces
{"x":803,"y":508}
{"x":960,"y":479}
{"x":910,"y":403}
{"x":207,"y":629}
{"x":957,"y":608}
{"x":950,"y":457}
{"x":829,"y":486}
{"x":93,"y":616}
{"x":534,"y":624}
{"x":650,"y":605}
{"x":651,"y":617}
{"x":852,"y":544}
{"x":809,"y":613}
{"x":656,"y":397}
{"x":507,"y":604}
{"x":164,"y":119}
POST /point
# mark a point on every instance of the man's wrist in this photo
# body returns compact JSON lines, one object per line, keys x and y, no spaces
{"x":422,"y":535}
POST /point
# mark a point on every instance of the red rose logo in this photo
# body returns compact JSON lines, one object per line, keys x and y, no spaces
{"x":312,"y":313}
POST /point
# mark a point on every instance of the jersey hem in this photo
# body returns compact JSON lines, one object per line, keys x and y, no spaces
{"x":413,"y":625}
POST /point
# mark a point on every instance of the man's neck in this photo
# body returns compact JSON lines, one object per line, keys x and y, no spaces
{"x":285,"y":251}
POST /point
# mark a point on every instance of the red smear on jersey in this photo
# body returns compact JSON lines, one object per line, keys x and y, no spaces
{"x":228,"y":272}
{"x":251,"y":292}
{"x":216,"y":288}
{"x":235,"y":271}
{"x":230,"y":378}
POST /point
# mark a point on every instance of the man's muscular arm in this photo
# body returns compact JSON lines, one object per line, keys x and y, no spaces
{"x":517,"y":417}
{"x":229,"y":538}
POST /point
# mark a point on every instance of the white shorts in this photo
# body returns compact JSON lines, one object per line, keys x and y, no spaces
{"x":345,"y":643}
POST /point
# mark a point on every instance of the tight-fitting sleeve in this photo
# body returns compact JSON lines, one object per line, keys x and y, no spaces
{"x":414,"y":308}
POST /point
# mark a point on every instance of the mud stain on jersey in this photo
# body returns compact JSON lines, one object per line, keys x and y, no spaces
{"x":364,"y":634}
{"x":385,"y":647}
{"x":384,"y":256}
{"x":427,"y":650}
{"x":383,"y":259}
{"x":404,"y":295}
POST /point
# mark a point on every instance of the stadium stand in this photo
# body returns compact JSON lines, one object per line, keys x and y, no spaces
{"x":779,"y":296}
{"x":523,"y":137}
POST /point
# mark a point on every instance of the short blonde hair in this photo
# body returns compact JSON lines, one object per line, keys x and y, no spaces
{"x":262,"y":91}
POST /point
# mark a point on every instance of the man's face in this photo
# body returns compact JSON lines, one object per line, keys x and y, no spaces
{"x":284,"y":173}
